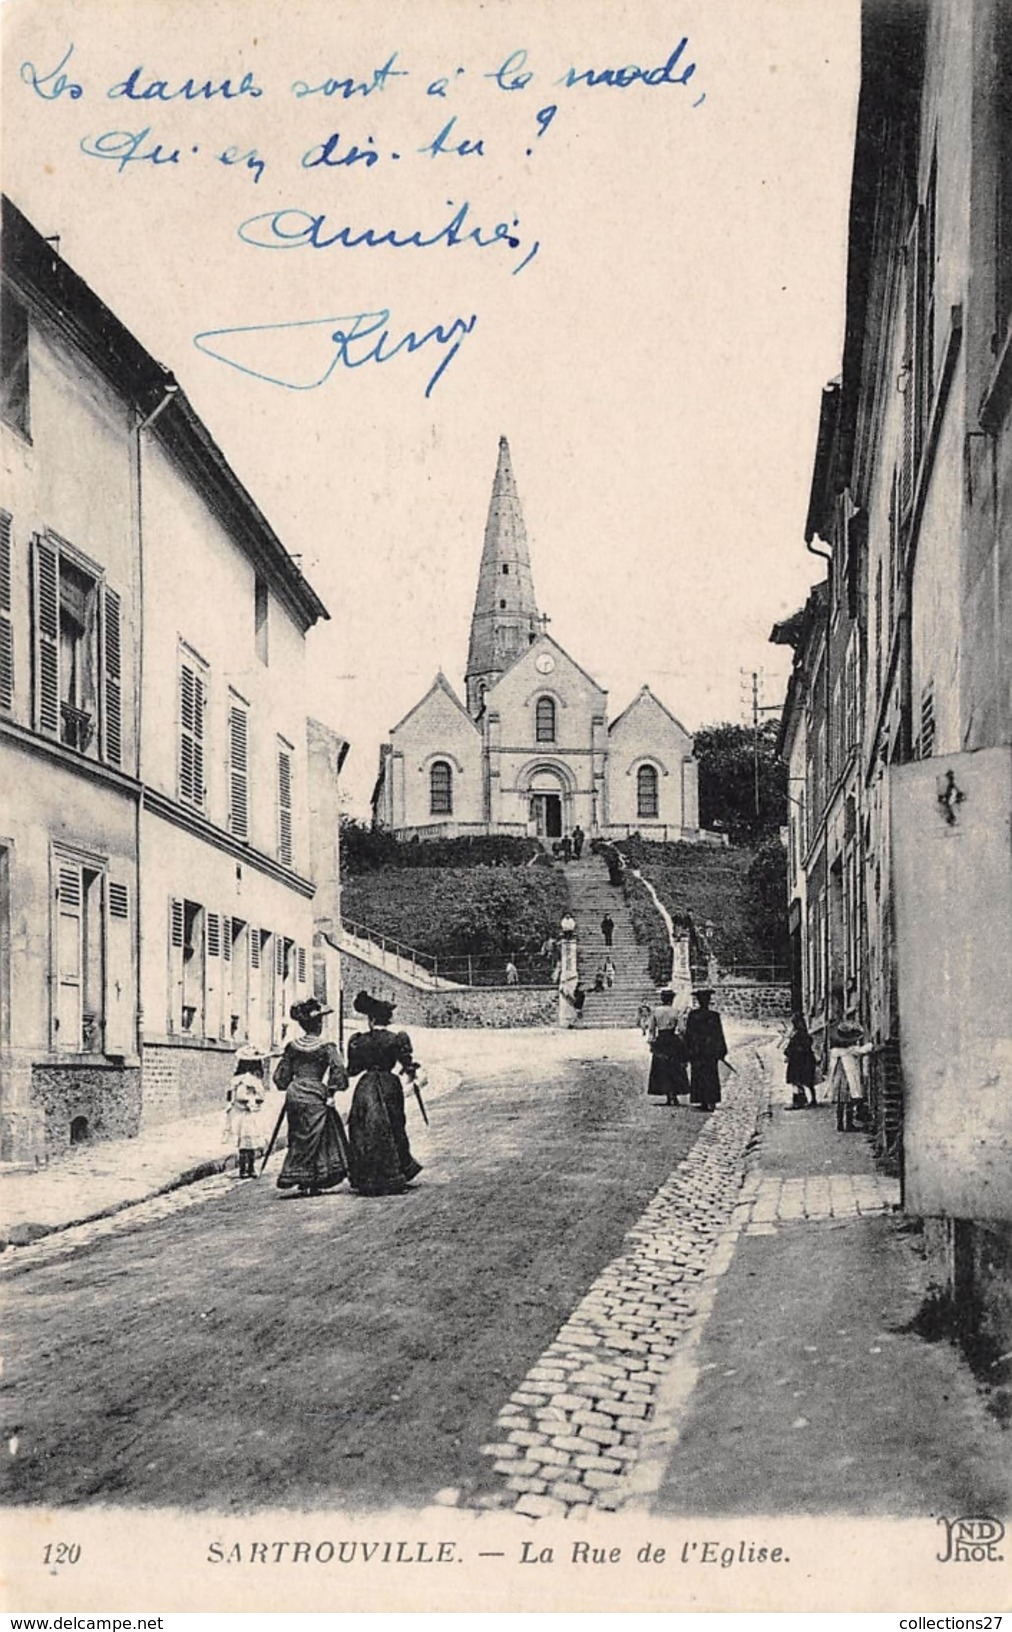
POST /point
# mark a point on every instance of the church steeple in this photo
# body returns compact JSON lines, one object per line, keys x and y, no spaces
{"x":505,"y":618}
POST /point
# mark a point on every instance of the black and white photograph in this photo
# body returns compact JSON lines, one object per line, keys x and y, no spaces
{"x":506,"y":806}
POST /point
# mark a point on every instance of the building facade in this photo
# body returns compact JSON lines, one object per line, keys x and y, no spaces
{"x":156,"y":898}
{"x":531,"y":751}
{"x":912,"y":503}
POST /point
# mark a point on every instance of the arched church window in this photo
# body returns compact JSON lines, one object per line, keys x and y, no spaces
{"x":440,"y":789}
{"x":646,"y":791}
{"x":544,"y":720}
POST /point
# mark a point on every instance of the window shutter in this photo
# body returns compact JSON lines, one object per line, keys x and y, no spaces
{"x":69,"y":958}
{"x":192,"y":703}
{"x":120,"y":1027}
{"x":226,"y":976}
{"x":212,"y":975}
{"x":301,"y":961}
{"x":238,"y":751}
{"x":285,"y":806}
{"x":46,"y":608}
{"x":175,"y":982}
{"x":6,"y":628}
{"x":279,"y":955}
{"x":254,"y":948}
{"x":112,"y":679}
{"x":253,"y":999}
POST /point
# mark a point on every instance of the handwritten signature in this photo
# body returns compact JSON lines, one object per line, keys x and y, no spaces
{"x":267,"y":350}
{"x":298,"y":229}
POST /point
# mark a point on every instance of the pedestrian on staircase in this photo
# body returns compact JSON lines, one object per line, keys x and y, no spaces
{"x":706,"y":1047}
{"x":609,"y":973}
{"x":607,"y":928}
{"x":567,"y":847}
{"x":578,"y":838}
{"x":568,"y":925}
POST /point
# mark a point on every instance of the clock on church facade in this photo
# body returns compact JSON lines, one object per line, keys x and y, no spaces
{"x":530,"y":748}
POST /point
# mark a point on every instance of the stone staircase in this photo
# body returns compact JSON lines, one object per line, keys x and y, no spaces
{"x":590,"y":896}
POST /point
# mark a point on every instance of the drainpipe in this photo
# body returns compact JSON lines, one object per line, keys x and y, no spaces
{"x":825,"y":555}
{"x":170,"y":389}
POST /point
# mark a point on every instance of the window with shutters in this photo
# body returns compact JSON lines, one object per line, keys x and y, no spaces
{"x":192,"y":717}
{"x":239,"y":958}
{"x":544,"y":720}
{"x":6,"y":625}
{"x":78,"y":665}
{"x":440,"y":789}
{"x":285,"y":813}
{"x":238,"y":767}
{"x":15,"y":400}
{"x":301,"y":964}
{"x":646,"y":791}
{"x":194,"y":969}
{"x":78,"y":960}
{"x":926,"y":734}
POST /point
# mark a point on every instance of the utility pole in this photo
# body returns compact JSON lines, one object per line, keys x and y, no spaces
{"x":751,"y":692}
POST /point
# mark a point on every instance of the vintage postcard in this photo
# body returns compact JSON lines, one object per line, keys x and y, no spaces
{"x":505,"y":767}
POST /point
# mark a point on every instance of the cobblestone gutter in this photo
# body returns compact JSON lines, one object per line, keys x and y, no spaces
{"x":573,"y":1435}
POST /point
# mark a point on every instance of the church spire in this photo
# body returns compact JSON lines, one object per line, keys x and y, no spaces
{"x":505,"y":618}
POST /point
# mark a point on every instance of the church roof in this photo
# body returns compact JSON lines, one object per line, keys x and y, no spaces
{"x":644,"y":693}
{"x":505,"y":609}
{"x":440,"y":683}
{"x":539,"y":645}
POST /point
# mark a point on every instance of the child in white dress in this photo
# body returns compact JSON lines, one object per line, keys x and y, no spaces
{"x":244,"y":1119}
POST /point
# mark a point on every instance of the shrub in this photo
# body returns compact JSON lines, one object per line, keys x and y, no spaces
{"x":366,"y":849}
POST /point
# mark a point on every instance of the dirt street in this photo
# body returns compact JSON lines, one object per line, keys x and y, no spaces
{"x":259,"y":1349}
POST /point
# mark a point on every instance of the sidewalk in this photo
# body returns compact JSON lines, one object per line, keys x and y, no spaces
{"x":102,"y":1178}
{"x":810,"y":1389}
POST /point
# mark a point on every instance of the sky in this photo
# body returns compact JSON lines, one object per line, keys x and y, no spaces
{"x":653,"y":344}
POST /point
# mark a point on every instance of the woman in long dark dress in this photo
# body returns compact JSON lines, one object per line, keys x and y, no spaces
{"x":380,"y":1157}
{"x":668,"y":1076}
{"x":308,"y":1073}
{"x":801,"y":1061}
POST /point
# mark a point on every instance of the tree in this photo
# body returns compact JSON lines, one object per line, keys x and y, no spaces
{"x":766,"y":898}
{"x":728,"y":758}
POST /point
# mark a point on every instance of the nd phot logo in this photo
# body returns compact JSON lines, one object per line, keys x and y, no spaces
{"x":972,"y":1541}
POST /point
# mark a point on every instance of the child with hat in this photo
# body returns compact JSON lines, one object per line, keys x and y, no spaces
{"x":244,"y":1122}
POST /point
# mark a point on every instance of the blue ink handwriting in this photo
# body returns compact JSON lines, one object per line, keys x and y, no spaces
{"x":440,"y":144}
{"x":438,"y":86}
{"x":298,"y":229}
{"x":511,"y":74}
{"x":157,"y":90}
{"x":348,"y":87}
{"x":326,"y":153}
{"x":251,"y":159}
{"x":55,"y":83}
{"x":350,"y":342}
{"x":123,"y":148}
{"x":621,"y":78}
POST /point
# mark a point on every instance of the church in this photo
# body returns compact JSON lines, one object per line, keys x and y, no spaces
{"x":530,"y":750}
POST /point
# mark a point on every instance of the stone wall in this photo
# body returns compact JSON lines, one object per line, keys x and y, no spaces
{"x":761,"y":1001}
{"x":475,"y":1006}
{"x":177,"y":1079}
{"x":107,"y":1096}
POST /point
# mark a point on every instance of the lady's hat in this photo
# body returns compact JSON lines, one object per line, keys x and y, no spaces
{"x":309,"y":1009}
{"x":702,"y":991}
{"x":374,"y":1008}
{"x":667,"y":995}
{"x":848,"y":1031}
{"x":247,"y":1054}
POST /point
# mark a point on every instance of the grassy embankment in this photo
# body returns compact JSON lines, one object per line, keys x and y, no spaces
{"x":699,"y":884}
{"x":464,"y":909}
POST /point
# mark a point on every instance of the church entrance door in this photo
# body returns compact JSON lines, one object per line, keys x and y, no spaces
{"x":546,"y":814}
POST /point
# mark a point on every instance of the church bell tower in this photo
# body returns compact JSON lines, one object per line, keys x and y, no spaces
{"x":505,"y":617}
